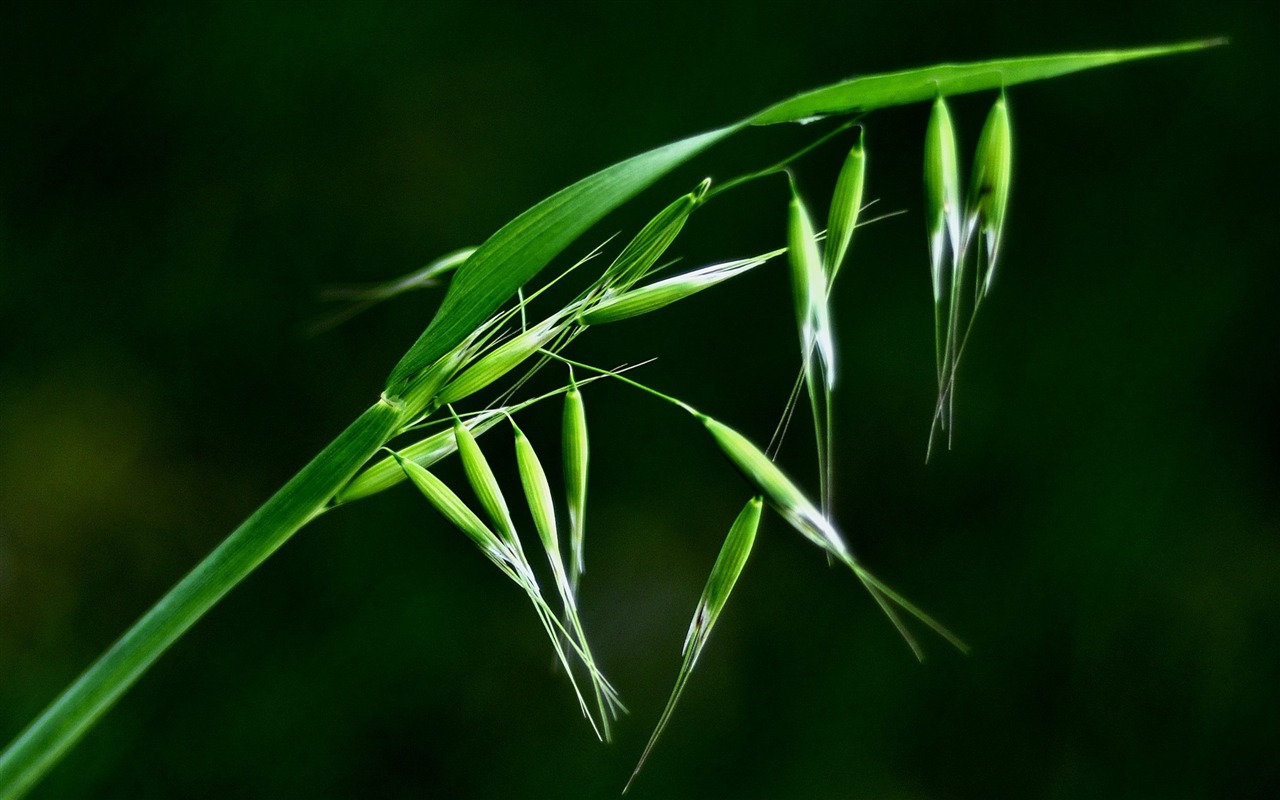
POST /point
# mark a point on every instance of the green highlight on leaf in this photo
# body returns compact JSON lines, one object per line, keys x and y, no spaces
{"x":915,"y":85}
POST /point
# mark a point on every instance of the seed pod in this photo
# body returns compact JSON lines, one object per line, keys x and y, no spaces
{"x":576,"y":458}
{"x":499,"y":361}
{"x":942,"y":191}
{"x":846,"y":203}
{"x":388,"y":472}
{"x":643,"y":251}
{"x":809,"y":286}
{"x":724,"y":574}
{"x":537,"y":490}
{"x":515,"y":567}
{"x":484,"y":483}
{"x":453,"y":509}
{"x":989,"y":191}
{"x":781,"y":493}
{"x":663,"y":293}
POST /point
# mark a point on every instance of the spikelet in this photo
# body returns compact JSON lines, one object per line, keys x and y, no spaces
{"x":499,"y":361}
{"x":942,"y":193}
{"x":777,"y":488}
{"x":576,"y":450}
{"x":384,"y":474}
{"x":809,"y":288}
{"x":789,"y":501}
{"x":989,"y":190}
{"x":460,"y":516}
{"x":846,"y":203}
{"x":634,"y":302}
{"x":513,"y":565}
{"x":537,"y":491}
{"x":724,"y":575}
{"x":643,"y":251}
{"x":484,"y":483}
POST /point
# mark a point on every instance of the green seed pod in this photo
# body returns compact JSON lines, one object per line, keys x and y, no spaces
{"x":643,"y":251}
{"x":724,"y":574}
{"x":513,"y":564}
{"x":846,"y":203}
{"x":942,"y":191}
{"x":498,"y":362}
{"x":989,"y":191}
{"x":781,"y":493}
{"x":576,"y":458}
{"x":484,"y":483}
{"x":663,"y":293}
{"x":388,"y":472}
{"x":809,"y":287}
{"x":453,"y":509}
{"x":537,"y":490}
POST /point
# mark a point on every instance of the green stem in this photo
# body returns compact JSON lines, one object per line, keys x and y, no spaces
{"x":67,"y":719}
{"x":784,"y":163}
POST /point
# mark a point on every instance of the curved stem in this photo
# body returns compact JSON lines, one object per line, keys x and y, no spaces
{"x":783,"y":164}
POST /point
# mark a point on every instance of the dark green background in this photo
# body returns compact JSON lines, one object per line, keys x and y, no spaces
{"x":178,"y":182}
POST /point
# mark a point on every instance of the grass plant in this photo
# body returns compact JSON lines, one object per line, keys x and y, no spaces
{"x":481,"y":337}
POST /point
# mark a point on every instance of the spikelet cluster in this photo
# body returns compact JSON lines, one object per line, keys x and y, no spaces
{"x":952,"y":230}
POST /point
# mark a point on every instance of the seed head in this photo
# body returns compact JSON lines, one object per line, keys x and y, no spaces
{"x":663,"y":293}
{"x":989,"y":191}
{"x":724,"y":574}
{"x":538,"y":492}
{"x":576,"y":456}
{"x":809,"y":287}
{"x":387,"y":473}
{"x":484,"y":483}
{"x":942,"y":191}
{"x":453,"y":509}
{"x":499,"y":361}
{"x":845,"y":205}
{"x":777,"y":488}
{"x":643,"y":251}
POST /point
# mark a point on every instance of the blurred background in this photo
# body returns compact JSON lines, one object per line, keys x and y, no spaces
{"x":178,"y":182}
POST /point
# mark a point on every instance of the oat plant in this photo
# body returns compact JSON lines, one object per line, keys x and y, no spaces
{"x":494,"y":329}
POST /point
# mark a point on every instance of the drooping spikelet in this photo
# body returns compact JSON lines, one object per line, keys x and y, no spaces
{"x":989,"y":190}
{"x":846,"y":203}
{"x":576,"y":454}
{"x":724,"y":575}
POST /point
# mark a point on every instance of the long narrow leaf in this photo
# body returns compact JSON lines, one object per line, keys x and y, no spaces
{"x":915,"y":85}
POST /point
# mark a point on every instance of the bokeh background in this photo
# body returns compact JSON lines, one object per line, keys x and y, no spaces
{"x":179,"y":181}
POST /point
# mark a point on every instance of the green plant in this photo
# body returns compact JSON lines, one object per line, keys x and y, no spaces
{"x":463,"y":350}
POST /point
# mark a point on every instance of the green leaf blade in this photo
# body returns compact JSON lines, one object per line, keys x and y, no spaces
{"x":916,"y":85}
